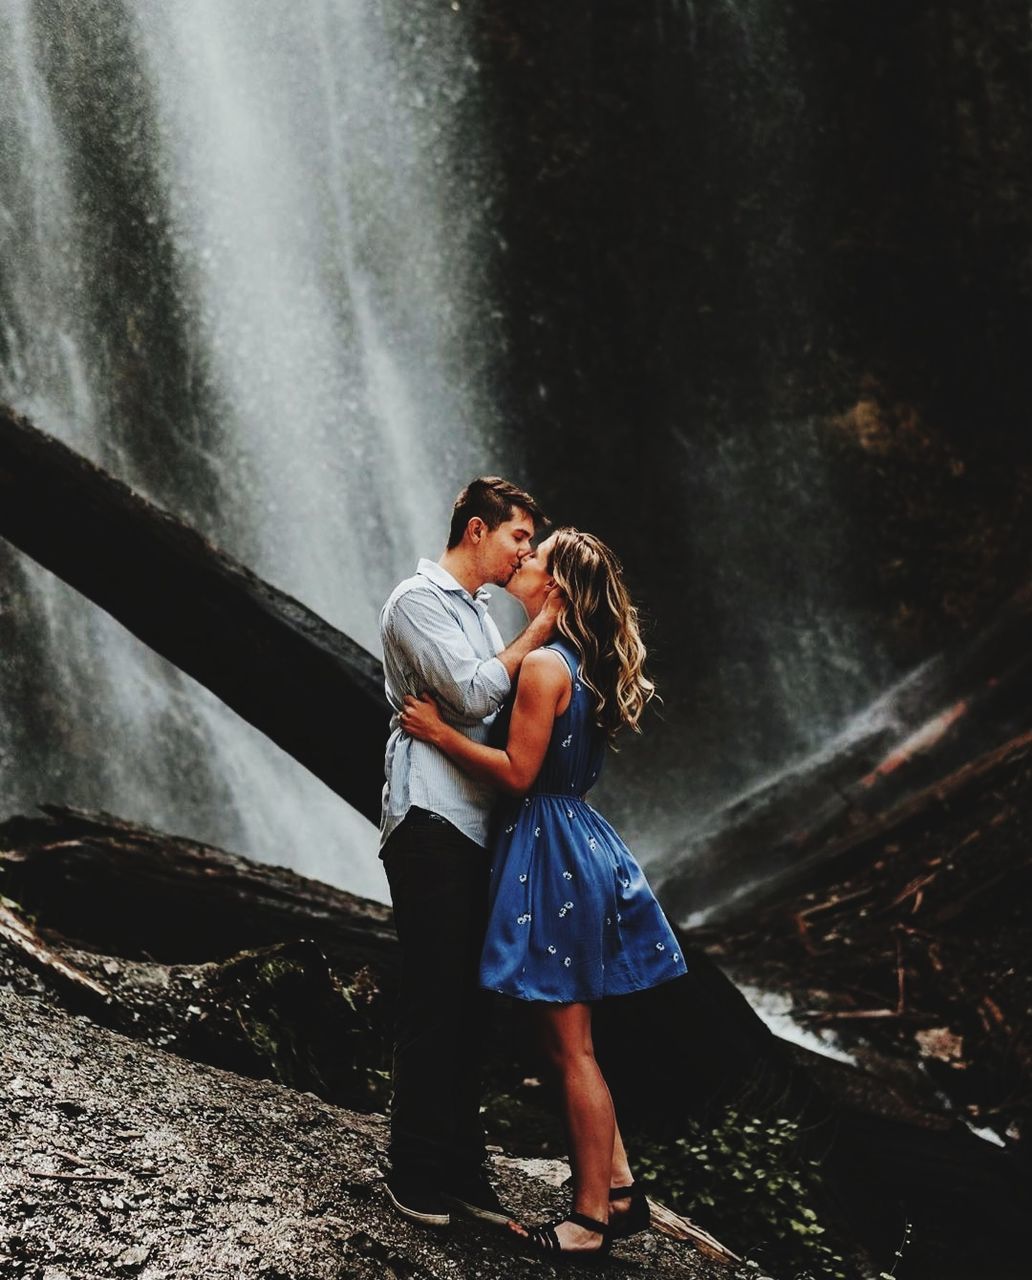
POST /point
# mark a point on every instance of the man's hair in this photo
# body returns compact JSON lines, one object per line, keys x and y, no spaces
{"x":493,"y":500}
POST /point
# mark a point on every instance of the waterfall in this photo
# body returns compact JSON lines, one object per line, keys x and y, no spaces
{"x":244,"y":264}
{"x":297,"y":272}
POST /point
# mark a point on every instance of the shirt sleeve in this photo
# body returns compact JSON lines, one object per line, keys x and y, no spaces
{"x":432,"y":649}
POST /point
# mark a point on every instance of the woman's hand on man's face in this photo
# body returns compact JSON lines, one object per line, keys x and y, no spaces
{"x":421,"y":718}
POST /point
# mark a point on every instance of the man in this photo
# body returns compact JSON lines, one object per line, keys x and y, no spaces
{"x":438,"y":639}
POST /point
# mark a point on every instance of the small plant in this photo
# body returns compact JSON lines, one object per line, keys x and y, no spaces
{"x":749,"y":1177}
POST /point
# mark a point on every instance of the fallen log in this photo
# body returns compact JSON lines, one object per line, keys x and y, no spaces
{"x":126,"y":890}
{"x":757,"y":849}
{"x":21,"y":935}
{"x":306,"y":685}
{"x":917,"y":955}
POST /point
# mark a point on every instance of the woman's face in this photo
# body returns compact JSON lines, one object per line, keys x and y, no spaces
{"x":531,"y":583}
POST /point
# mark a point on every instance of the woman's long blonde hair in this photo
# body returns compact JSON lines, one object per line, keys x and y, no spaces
{"x":602,"y":625}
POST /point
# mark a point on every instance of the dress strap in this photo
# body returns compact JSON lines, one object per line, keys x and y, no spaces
{"x":570,"y":658}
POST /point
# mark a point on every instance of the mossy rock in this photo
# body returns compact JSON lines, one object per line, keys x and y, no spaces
{"x":280,"y":1012}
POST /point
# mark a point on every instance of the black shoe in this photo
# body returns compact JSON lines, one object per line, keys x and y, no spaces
{"x":417,"y":1201}
{"x":544,"y":1239}
{"x":476,"y":1197}
{"x":633,"y":1219}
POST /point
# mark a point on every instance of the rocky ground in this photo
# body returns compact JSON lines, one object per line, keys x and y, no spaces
{"x":174,"y":1102}
{"x":194,"y":1049}
{"x":121,"y":1159}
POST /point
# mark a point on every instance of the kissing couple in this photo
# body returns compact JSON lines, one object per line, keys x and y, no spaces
{"x":503,"y":878}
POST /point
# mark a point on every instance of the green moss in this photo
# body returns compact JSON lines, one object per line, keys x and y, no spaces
{"x":17,"y":909}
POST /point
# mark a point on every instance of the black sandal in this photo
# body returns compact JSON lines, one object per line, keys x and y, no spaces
{"x":545,"y":1240}
{"x":634,"y":1219}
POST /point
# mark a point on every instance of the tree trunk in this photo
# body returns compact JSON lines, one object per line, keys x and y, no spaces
{"x":307,"y":686}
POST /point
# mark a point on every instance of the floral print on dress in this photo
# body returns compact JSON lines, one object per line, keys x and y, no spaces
{"x":605,"y":951}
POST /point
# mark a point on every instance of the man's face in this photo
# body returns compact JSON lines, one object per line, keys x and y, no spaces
{"x":504,"y":549}
{"x":530,"y":586}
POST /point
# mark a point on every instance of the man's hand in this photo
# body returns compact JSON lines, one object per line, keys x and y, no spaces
{"x":420,"y":718}
{"x":536,"y":633}
{"x":553,"y":606}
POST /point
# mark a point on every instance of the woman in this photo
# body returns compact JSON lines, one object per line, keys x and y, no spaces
{"x":572,"y":919}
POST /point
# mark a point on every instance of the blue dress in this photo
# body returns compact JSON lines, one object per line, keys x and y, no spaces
{"x":571,"y":917}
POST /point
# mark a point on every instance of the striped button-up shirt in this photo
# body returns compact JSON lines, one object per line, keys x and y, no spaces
{"x":439,"y":639}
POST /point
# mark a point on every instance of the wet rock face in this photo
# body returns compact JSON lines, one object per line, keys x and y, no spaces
{"x":752,"y":204}
{"x":726,"y":226}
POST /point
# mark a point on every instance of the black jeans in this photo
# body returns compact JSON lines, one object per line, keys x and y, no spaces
{"x":438,"y":879}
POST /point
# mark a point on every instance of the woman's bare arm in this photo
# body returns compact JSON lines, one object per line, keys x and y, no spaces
{"x":544,"y":680}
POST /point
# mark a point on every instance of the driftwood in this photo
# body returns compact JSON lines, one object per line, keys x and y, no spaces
{"x":20,"y":934}
{"x":677,"y":1228}
{"x":914,"y":948}
{"x":970,"y":709}
{"x":303,"y":683}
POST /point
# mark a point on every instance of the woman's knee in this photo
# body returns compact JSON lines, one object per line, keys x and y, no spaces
{"x":565,"y":1056}
{"x":564,"y":1036}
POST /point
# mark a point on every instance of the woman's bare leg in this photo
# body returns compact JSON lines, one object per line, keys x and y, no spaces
{"x":620,"y":1174}
{"x":565,"y":1032}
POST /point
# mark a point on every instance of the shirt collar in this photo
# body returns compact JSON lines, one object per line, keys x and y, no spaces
{"x":442,"y":578}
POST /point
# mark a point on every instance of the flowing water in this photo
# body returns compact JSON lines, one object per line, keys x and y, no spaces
{"x":251,"y":262}
{"x":243,"y":265}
